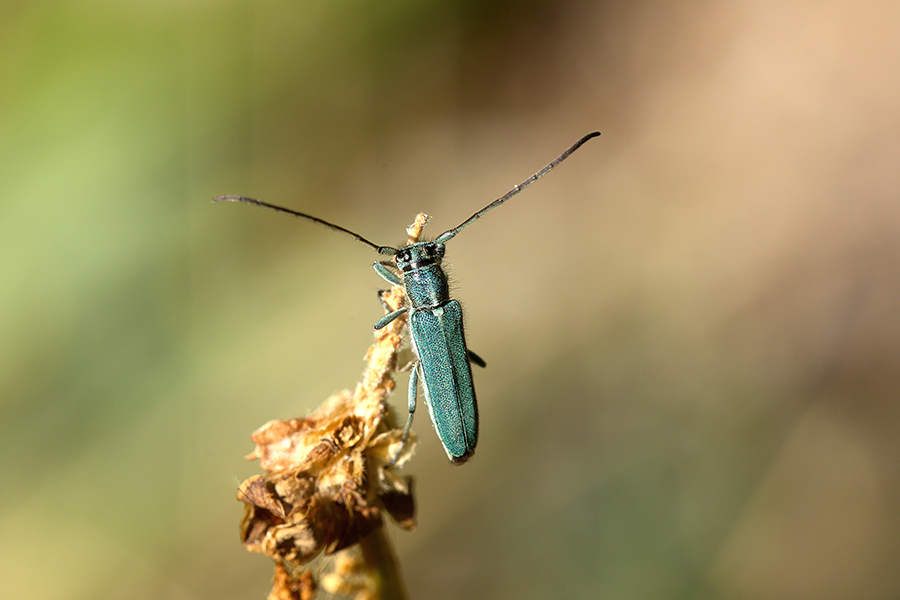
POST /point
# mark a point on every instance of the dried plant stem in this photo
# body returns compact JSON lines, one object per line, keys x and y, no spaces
{"x":377,"y":551}
{"x":329,"y":478}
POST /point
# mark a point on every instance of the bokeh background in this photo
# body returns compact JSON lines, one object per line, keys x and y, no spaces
{"x":691,"y":327}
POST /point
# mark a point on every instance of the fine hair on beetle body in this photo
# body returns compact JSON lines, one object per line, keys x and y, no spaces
{"x":434,"y":321}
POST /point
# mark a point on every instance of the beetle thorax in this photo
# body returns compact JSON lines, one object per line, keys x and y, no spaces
{"x":418,"y":255}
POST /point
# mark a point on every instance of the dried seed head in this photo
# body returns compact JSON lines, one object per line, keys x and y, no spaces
{"x":329,"y":476}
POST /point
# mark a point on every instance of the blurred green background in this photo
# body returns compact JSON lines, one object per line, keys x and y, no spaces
{"x":691,"y":327}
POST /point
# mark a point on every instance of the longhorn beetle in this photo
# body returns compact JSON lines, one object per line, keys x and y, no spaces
{"x":435,"y":323}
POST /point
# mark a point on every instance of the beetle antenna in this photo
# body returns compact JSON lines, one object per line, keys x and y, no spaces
{"x":452,"y":232}
{"x":380,"y":249}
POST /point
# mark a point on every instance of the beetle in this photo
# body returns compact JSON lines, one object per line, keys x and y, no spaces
{"x":435,"y":322}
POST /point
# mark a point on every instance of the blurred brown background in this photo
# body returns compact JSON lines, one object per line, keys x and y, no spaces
{"x":691,"y":327}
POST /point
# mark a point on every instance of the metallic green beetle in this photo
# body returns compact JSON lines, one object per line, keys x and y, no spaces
{"x":435,"y":323}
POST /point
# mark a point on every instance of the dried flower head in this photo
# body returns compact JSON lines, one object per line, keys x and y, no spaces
{"x":329,"y":479}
